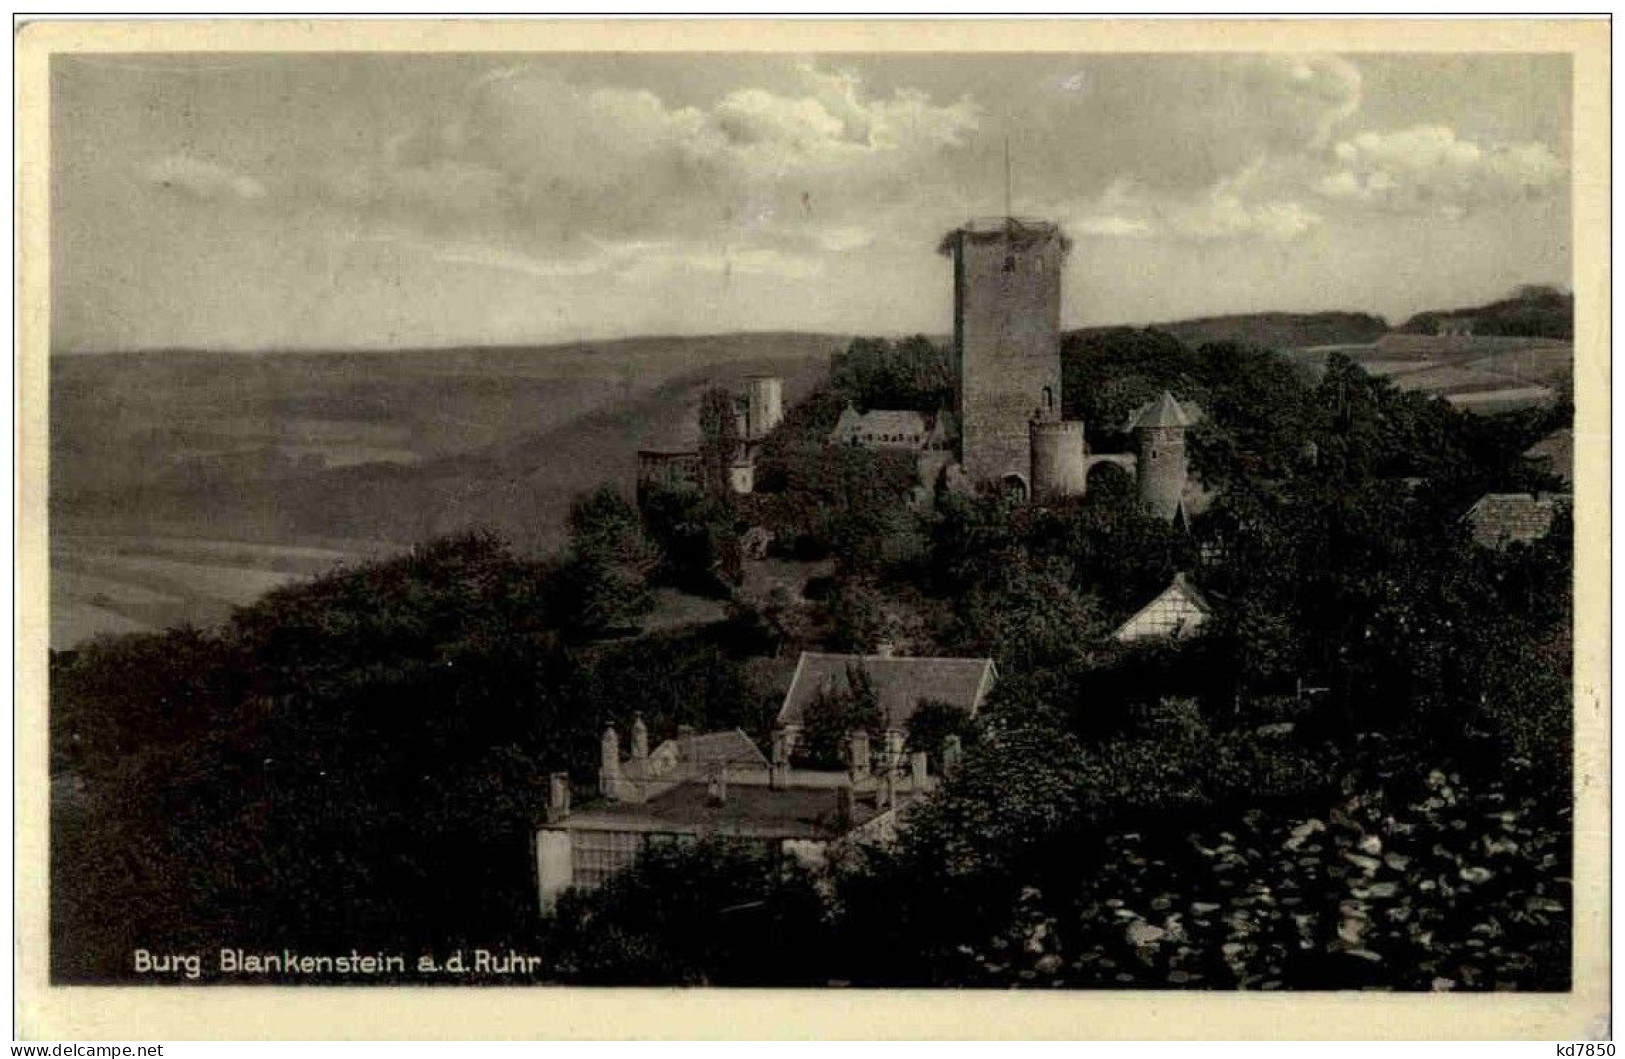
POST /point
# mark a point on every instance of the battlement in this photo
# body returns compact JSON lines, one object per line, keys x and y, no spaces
{"x":1055,"y":426}
{"x":1011,"y":231}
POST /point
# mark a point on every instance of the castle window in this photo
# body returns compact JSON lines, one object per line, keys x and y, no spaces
{"x":1038,"y":265}
{"x":1009,"y":262}
{"x":1049,"y":399}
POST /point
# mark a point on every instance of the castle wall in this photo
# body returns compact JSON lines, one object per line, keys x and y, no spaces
{"x":1007,"y":312}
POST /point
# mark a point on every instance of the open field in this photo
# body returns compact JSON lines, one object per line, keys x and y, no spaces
{"x":1484,"y":375}
{"x":184,"y":484}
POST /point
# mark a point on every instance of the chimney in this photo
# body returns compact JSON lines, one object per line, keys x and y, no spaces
{"x":951,"y":751}
{"x":609,"y":765}
{"x":857,"y":753}
{"x":558,"y":796}
{"x":640,"y":739}
{"x":894,"y":748}
{"x":716,"y":786}
{"x":919,"y":771}
{"x":844,"y":811}
{"x":778,"y":769}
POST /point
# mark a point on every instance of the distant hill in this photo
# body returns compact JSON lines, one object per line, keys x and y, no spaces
{"x":185,"y":482}
{"x":1531,"y":312}
{"x":1273,"y":330}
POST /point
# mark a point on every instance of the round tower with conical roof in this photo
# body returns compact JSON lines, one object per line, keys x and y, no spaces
{"x":1161,"y":464}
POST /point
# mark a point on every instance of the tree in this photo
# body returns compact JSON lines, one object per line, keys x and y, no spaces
{"x":913,"y":374}
{"x":719,"y":440}
{"x":932,"y":723}
{"x":833,"y":714}
{"x":698,"y":536}
{"x":604,"y":585}
{"x":857,"y":618}
{"x":716,"y":912}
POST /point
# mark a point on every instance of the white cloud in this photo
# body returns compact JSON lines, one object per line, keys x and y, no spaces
{"x":1428,"y":169}
{"x":1239,"y":207}
{"x":1226,"y":215}
{"x":197,"y":178}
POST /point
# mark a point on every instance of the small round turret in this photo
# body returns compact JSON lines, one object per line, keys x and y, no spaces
{"x":1161,"y":465}
{"x":1057,"y":455}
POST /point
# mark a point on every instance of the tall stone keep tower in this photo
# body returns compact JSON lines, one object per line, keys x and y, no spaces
{"x":1161,"y":464}
{"x":1007,"y":340}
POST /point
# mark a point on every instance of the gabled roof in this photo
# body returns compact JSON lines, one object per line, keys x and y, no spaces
{"x":881,"y":421}
{"x":1556,"y":450}
{"x":901,"y":684}
{"x":1178,"y":609}
{"x":722,"y":748}
{"x":1500,"y":518}
{"x":1163,"y":412}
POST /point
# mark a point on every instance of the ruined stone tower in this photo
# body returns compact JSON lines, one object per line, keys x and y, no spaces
{"x":764,"y":406}
{"x":1161,"y":465}
{"x":1007,"y":341}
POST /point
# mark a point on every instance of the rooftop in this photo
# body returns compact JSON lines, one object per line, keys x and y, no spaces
{"x":1501,"y":518}
{"x":1015,"y":229}
{"x":881,"y":421}
{"x":1165,"y":411}
{"x":1556,"y":450}
{"x":732,"y":747}
{"x":901,"y":684}
{"x":753,"y":811}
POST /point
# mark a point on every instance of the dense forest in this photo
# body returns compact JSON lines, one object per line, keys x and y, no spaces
{"x":1530,"y":312}
{"x":1358,"y":775}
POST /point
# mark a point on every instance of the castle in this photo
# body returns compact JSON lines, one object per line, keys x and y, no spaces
{"x":1006,"y":428}
{"x":757,"y":411}
{"x":1007,"y":368}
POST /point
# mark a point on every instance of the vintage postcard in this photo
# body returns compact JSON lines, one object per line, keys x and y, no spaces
{"x":1055,"y":529}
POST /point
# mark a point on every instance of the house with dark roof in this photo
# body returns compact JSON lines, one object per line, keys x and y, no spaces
{"x":719,"y":785}
{"x":900,"y":684}
{"x":1500,"y":519}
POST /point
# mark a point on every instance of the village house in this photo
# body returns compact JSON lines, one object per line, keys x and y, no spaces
{"x":901,"y":686}
{"x":719,"y":786}
{"x":1179,"y":610}
{"x":1500,"y":519}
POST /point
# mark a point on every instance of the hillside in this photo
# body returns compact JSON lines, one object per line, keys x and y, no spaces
{"x":1272,"y":330}
{"x":1531,"y":312}
{"x":184,"y":483}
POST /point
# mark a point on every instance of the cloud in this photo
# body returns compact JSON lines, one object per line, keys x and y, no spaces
{"x":201,"y":180}
{"x":1428,"y":169}
{"x":1239,"y":207}
{"x":531,"y":148}
{"x":1227,"y":216}
{"x":1185,"y":123}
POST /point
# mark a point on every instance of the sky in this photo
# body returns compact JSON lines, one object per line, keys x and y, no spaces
{"x":268,"y":201}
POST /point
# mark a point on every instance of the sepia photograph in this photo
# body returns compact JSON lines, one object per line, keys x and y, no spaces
{"x":848,"y":519}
